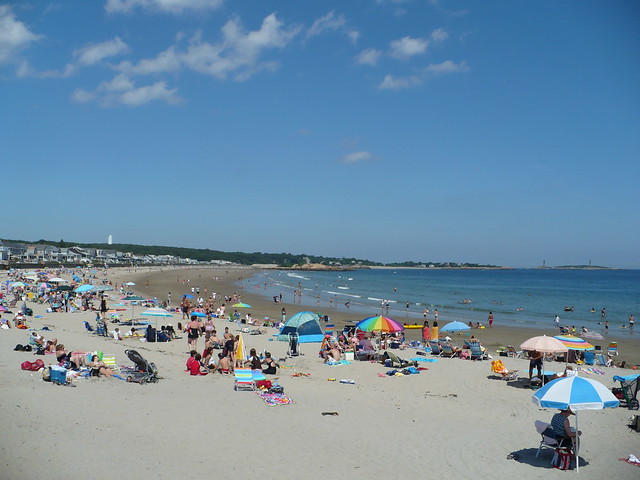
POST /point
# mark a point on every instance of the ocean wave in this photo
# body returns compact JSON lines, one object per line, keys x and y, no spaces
{"x":344,"y":288}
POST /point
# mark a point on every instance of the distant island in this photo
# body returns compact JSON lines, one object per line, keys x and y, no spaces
{"x":575,"y":267}
{"x":51,"y":253}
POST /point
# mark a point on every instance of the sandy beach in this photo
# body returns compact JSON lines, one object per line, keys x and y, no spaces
{"x":454,"y":419}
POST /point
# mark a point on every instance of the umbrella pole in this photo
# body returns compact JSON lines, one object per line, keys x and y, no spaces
{"x":577,"y":448}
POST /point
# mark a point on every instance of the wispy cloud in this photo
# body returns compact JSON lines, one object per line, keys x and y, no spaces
{"x":356,"y":157}
{"x":370,"y":56}
{"x":439,"y":35}
{"x":330,"y":21}
{"x":92,"y":54}
{"x":407,"y":47}
{"x":163,"y":6}
{"x":121,"y":90}
{"x":400,"y":83}
{"x":238,"y":54}
{"x":14,"y":35}
{"x":448,"y":66}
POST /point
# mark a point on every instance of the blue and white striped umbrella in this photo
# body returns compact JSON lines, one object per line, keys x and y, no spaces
{"x":576,"y":392}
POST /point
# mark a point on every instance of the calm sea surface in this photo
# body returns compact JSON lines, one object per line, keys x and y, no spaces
{"x":518,"y":297}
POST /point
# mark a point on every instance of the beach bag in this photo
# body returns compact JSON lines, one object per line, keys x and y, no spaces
{"x":46,"y":373}
{"x":33,"y":366}
{"x":561,"y":459}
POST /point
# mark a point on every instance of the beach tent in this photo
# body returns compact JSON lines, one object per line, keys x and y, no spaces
{"x":306,"y":325}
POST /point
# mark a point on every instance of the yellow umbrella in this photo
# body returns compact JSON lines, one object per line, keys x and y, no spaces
{"x":240,"y":351}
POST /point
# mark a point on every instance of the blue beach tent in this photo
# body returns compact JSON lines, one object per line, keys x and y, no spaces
{"x":306,"y":325}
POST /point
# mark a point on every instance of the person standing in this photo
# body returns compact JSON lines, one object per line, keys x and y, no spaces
{"x":490,"y":319}
{"x":425,"y":312}
{"x":556,"y":321}
{"x":426,"y":333}
{"x":435,"y":317}
{"x":632,"y":320}
{"x":606,"y":326}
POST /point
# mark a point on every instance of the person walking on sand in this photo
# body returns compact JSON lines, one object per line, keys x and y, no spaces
{"x":194,"y":327}
{"x":490,"y":319}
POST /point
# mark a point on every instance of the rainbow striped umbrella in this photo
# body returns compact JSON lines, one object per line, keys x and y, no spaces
{"x":379,"y":324}
{"x":574,"y":343}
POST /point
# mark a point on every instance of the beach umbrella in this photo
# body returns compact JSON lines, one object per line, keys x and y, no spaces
{"x":592,"y":336}
{"x":156,"y":312}
{"x":18,"y":284}
{"x":83,"y":288}
{"x":241,"y":305}
{"x":56,"y":280}
{"x":544,"y":344}
{"x":379,"y":324}
{"x":240,"y":350}
{"x":197,"y":314}
{"x":102,"y":288}
{"x":574,"y":343}
{"x":455,"y":327}
{"x":133,"y":298}
{"x":64,"y":288}
{"x":3,"y":308}
{"x":44,"y":286}
{"x":577,"y":393}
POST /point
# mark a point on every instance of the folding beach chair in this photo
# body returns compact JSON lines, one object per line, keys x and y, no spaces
{"x":545,"y":441}
{"x":257,"y":375}
{"x":589,"y":358}
{"x":435,"y":347}
{"x":512,"y":352}
{"x":613,"y":348}
{"x":110,"y":361}
{"x":329,"y":329}
{"x":600,"y":360}
{"x":477,"y":352}
{"x":498,"y":367}
{"x":449,"y":350}
{"x":244,"y":379}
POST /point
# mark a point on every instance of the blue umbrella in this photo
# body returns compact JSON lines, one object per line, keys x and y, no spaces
{"x":577,"y":393}
{"x":198,"y":314}
{"x":83,"y":288}
{"x":455,"y":327}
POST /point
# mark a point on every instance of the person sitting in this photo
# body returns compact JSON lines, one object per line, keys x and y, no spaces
{"x":116,"y":334}
{"x":254,"y":361}
{"x":206,"y":356}
{"x":98,"y":367}
{"x":195,"y":367}
{"x":224,"y":364}
{"x":36,"y":340}
{"x":562,"y":430}
{"x":5,"y":322}
{"x":50,"y":346}
{"x":191,"y":359}
{"x":270,"y":363}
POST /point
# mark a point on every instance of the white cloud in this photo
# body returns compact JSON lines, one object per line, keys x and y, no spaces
{"x":447,"y":66}
{"x":370,"y":56}
{"x":439,"y":35}
{"x":237,"y":54}
{"x":164,"y":6}
{"x":354,"y":36}
{"x":122,"y":91}
{"x":14,"y":35}
{"x":400,"y":83}
{"x":82,"y":96}
{"x":330,"y":21}
{"x":92,"y":54}
{"x":355,"y":157}
{"x":408,"y":47}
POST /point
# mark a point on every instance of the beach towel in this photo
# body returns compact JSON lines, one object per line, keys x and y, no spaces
{"x":275,"y":399}
{"x":631,"y":460}
{"x":422,"y":359}
{"x":341,"y":362}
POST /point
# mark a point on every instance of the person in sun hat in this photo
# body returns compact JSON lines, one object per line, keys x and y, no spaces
{"x":562,"y":429}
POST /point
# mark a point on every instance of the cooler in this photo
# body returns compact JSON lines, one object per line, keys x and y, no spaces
{"x":58,"y":374}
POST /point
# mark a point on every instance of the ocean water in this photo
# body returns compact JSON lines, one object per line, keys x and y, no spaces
{"x":517,"y":297}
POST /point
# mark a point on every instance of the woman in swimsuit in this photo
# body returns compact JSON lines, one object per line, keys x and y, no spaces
{"x":270,"y":363}
{"x":193,"y":332}
{"x":98,"y":367}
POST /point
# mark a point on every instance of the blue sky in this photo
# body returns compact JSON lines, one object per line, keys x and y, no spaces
{"x":502,"y":132}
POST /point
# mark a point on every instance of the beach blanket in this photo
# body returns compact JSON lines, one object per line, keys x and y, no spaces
{"x":422,"y":359}
{"x":275,"y":399}
{"x":632,"y":460}
{"x":341,"y":362}
{"x":592,"y":371}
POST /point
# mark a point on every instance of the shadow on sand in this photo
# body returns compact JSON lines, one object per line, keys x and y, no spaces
{"x":528,"y":456}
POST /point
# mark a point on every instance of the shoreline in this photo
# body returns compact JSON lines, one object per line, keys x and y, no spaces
{"x":499,"y":336}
